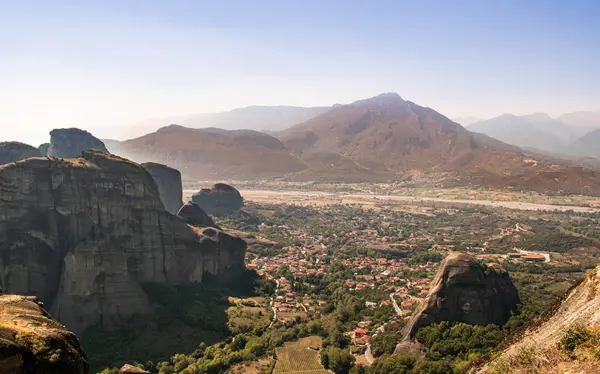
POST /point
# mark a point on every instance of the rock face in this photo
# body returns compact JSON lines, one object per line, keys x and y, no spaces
{"x":130,"y":369}
{"x":220,"y":199}
{"x":44,"y":148}
{"x":15,"y":151}
{"x":33,"y":342}
{"x":463,"y":291}
{"x":85,"y":234}
{"x":68,"y":143}
{"x":194,"y":215}
{"x":168,"y":181}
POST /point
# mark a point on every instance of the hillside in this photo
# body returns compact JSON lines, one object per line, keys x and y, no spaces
{"x":546,"y":344}
{"x":390,"y":136}
{"x":587,"y":146}
{"x":213,"y":153}
{"x":259,"y":118}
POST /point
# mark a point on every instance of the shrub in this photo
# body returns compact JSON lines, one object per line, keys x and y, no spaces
{"x":574,"y":337}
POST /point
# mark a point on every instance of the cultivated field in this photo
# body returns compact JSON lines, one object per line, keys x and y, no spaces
{"x":300,"y":357}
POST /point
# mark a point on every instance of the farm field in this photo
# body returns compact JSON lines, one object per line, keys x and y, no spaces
{"x":300,"y":357}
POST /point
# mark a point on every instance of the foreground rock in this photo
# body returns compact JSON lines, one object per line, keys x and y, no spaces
{"x":16,"y":151}
{"x":85,"y":234}
{"x":168,"y":181}
{"x":194,"y":215}
{"x":220,"y":199}
{"x":463,"y":291}
{"x":33,"y":342}
{"x":68,"y":143}
{"x":580,"y":307}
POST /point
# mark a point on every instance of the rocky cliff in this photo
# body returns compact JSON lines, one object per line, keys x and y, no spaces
{"x":72,"y":142}
{"x":85,"y":234}
{"x":44,"y":148}
{"x":463,"y":291}
{"x":194,"y":215}
{"x":32,"y":342}
{"x":220,"y":199}
{"x":15,"y":151}
{"x":168,"y":181}
{"x":578,"y":308}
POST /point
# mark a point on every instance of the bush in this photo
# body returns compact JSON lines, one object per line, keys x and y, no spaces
{"x":574,"y":337}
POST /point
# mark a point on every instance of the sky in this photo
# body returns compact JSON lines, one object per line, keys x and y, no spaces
{"x":103,"y":65}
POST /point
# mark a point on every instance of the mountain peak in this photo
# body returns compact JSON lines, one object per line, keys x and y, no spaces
{"x":388,"y":99}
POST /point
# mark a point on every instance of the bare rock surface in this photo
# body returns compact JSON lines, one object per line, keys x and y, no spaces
{"x":16,"y":151}
{"x":85,"y":234}
{"x":463,"y":291}
{"x":44,"y":148}
{"x":220,"y":199}
{"x":168,"y":181}
{"x":33,"y":342}
{"x":130,"y":369}
{"x":68,"y":143}
{"x":194,"y":215}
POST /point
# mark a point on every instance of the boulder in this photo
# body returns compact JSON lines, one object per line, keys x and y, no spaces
{"x":33,"y":342}
{"x":69,"y":143}
{"x":168,"y":181}
{"x":85,"y":234}
{"x":194,"y":215}
{"x":44,"y":148}
{"x":130,"y":369}
{"x":463,"y":291}
{"x":16,"y":151}
{"x":220,"y":199}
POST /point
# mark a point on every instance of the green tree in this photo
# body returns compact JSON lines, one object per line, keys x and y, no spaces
{"x":340,"y":361}
{"x":400,"y":364}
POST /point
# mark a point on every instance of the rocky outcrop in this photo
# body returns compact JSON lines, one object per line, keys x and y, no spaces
{"x":463,"y":291}
{"x":130,"y":369}
{"x":16,"y":151}
{"x":68,"y":143}
{"x":220,"y":199}
{"x":168,"y":181}
{"x":44,"y":148}
{"x":194,"y":215}
{"x":85,"y":234}
{"x":33,"y":342}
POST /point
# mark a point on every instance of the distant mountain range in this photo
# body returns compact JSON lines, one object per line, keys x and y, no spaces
{"x":384,"y":138}
{"x":540,"y":131}
{"x":259,"y":118}
{"x":466,"y":121}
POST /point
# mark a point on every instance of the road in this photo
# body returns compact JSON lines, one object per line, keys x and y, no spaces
{"x":395,"y":304}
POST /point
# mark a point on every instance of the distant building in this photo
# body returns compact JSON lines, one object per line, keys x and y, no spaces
{"x":534,"y":258}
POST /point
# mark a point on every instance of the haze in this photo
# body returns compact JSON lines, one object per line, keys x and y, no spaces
{"x":106,"y":65}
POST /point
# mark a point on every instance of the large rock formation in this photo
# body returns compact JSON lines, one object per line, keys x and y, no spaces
{"x":44,"y":148}
{"x":194,"y":215}
{"x":33,"y":342}
{"x":463,"y":291}
{"x":15,"y":151}
{"x":67,"y":143}
{"x":85,"y":234}
{"x":168,"y":181}
{"x":220,"y":199}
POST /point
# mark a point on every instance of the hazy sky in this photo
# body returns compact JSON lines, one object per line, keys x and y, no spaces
{"x":102,"y":64}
